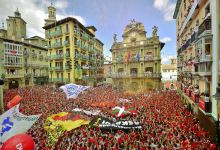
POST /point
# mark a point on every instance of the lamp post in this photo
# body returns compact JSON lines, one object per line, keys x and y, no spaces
{"x":1,"y":95}
{"x":217,"y":97}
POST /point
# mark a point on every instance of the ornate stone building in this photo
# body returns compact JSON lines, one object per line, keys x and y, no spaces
{"x":136,"y":61}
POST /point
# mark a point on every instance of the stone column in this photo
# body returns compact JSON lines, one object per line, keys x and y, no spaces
{"x":215,"y":4}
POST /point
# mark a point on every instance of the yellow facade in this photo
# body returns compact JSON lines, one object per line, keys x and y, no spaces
{"x":136,"y":61}
{"x":76,"y":55}
{"x":194,"y":43}
{"x":23,"y":60}
{"x":23,"y":64}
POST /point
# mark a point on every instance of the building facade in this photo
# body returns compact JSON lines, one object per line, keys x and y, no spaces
{"x":136,"y":61}
{"x":108,"y":70}
{"x":198,"y":44}
{"x":23,"y":60}
{"x":169,"y":74}
{"x":75,"y":54}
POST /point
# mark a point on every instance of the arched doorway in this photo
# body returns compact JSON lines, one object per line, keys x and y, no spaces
{"x":13,"y":84}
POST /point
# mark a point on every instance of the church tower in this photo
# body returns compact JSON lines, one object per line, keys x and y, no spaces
{"x":16,"y":26}
{"x":51,"y":15}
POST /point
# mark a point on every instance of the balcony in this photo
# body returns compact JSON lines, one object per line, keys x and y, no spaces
{"x":84,"y":57}
{"x":8,"y":64}
{"x":206,"y":27}
{"x":152,"y":75}
{"x":67,"y":55}
{"x":68,"y":67}
{"x":190,"y":15}
{"x":57,"y":45}
{"x":67,"y":43}
{"x":14,"y":75}
{"x":27,"y":75}
{"x":58,"y":56}
{"x":148,"y":58}
{"x":36,"y":66}
{"x":58,"y":68}
{"x":56,"y":33}
{"x":57,"y":80}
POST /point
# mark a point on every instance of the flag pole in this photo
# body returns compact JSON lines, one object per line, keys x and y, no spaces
{"x":1,"y":95}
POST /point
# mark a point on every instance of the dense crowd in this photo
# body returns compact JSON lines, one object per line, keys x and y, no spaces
{"x":166,"y":122}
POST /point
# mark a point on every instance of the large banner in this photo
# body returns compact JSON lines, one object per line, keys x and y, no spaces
{"x":73,"y":90}
{"x":13,"y":122}
{"x":105,"y":123}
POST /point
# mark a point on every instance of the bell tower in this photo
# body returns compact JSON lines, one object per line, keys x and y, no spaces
{"x":51,"y":15}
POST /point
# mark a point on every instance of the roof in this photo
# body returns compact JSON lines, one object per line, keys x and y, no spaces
{"x":99,"y":41}
{"x":62,"y":21}
{"x":91,"y":27}
{"x":177,"y":9}
{"x":35,"y":37}
{"x":9,"y":17}
{"x":24,"y":43}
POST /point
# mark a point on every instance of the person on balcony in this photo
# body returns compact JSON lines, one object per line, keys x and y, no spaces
{"x":206,"y":95}
{"x":197,"y":93}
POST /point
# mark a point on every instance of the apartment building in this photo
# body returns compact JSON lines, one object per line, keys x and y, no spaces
{"x":75,"y":54}
{"x":23,"y":60}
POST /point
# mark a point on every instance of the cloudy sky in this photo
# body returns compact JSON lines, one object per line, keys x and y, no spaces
{"x":108,"y":16}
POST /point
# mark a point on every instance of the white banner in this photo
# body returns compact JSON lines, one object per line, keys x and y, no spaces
{"x":93,"y":112}
{"x":73,"y":90}
{"x":13,"y":122}
{"x":124,"y":100}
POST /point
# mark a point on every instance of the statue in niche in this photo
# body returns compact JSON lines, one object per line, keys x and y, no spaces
{"x":155,"y":29}
{"x":115,"y":38}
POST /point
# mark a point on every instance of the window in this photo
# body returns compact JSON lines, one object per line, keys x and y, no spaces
{"x":67,"y":28}
{"x":207,"y":10}
{"x":39,"y":52}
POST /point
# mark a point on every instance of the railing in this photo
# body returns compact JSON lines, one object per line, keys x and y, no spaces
{"x":68,"y":67}
{"x":8,"y":64}
{"x":67,"y":55}
{"x":57,"y":45}
{"x":206,"y":25}
{"x":57,"y":80}
{"x":67,"y":42}
{"x":55,"y":33}
{"x":26,"y":64}
{"x":146,"y":74}
{"x":59,"y":68}
{"x":16,"y":75}
{"x":26,"y":54}
{"x":58,"y":56}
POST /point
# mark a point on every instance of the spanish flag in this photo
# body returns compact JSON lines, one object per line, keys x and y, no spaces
{"x":68,"y":122}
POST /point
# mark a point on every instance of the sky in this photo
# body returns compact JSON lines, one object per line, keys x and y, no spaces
{"x":108,"y":16}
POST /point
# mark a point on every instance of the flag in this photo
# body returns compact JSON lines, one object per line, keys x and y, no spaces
{"x":128,"y":56}
{"x":13,"y":52}
{"x":57,"y":124}
{"x":13,"y":122}
{"x":73,"y":90}
{"x":121,"y":111}
{"x":138,"y":56}
{"x":14,"y":101}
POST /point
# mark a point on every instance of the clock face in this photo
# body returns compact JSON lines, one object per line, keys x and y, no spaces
{"x":133,"y":34}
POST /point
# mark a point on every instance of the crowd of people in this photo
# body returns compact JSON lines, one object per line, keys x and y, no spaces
{"x":166,"y":122}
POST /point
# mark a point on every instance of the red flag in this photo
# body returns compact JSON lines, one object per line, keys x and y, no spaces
{"x":13,"y":52}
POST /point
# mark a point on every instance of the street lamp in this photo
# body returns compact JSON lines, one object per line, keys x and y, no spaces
{"x":217,"y":97}
{"x":1,"y":95}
